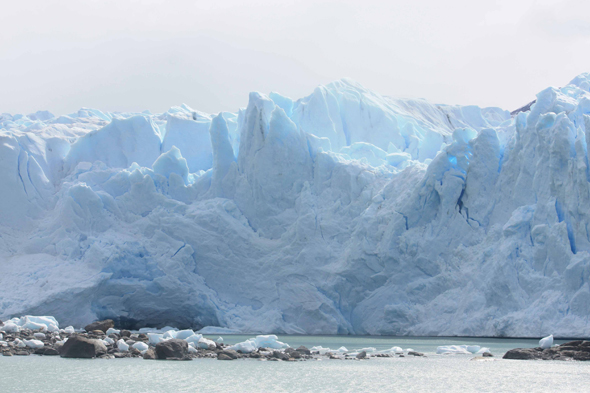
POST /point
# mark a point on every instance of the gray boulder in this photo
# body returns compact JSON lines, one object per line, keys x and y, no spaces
{"x":223,"y":356}
{"x":50,"y":352}
{"x":229,"y":352}
{"x":82,"y":348}
{"x":362,"y":355}
{"x":150,"y":354}
{"x":280,"y":355}
{"x":173,"y":349}
{"x":303,"y":350}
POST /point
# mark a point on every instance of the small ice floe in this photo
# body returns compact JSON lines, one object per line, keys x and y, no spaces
{"x":140,"y":346}
{"x":19,"y":343}
{"x":108,"y":341}
{"x":392,"y":351}
{"x":264,"y":341}
{"x":321,"y":350}
{"x":168,"y":334}
{"x":342,"y":349}
{"x":194,"y":338}
{"x":546,"y":342}
{"x":219,"y":340}
{"x":10,"y":327}
{"x":461,"y":349}
{"x":218,"y":330}
{"x":155,"y":338}
{"x":206,"y":343}
{"x":113,"y":331}
{"x":367,"y":350}
{"x":192,"y":349}
{"x":147,"y":330}
{"x":69,"y":330}
{"x":181,"y":334}
{"x":37,"y":323}
{"x":35,"y":344}
{"x":122,"y":346}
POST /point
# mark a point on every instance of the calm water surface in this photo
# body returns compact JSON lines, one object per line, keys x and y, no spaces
{"x":436,"y":373}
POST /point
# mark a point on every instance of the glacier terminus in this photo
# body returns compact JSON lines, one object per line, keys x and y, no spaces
{"x":343,"y":212}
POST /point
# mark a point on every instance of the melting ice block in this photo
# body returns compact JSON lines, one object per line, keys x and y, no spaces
{"x":546,"y":342}
{"x":262,"y":341}
{"x":35,"y":344}
{"x":122,"y":345}
{"x":461,"y":349}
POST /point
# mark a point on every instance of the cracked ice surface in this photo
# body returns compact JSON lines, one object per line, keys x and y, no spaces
{"x":341,"y":212}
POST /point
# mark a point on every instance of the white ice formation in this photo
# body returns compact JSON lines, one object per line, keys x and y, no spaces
{"x":262,"y":341}
{"x":344,"y":212}
{"x":35,"y":323}
{"x":461,"y":349}
{"x":546,"y":342}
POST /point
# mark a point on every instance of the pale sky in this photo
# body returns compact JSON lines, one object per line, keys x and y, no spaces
{"x":124,"y":55}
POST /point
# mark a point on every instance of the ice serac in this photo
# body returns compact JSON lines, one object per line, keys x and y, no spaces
{"x":344,"y":212}
{"x":192,"y":135}
{"x":119,"y":144}
{"x":224,"y":159}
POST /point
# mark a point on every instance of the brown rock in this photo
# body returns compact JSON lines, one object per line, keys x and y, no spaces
{"x":173,"y":349}
{"x":150,"y":354}
{"x":103,"y":326}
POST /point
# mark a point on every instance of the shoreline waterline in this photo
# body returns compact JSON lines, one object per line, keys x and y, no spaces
{"x":421,"y":374}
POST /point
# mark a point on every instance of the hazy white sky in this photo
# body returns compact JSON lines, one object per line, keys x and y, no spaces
{"x":125,"y":55}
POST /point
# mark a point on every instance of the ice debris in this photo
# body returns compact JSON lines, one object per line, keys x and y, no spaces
{"x":546,"y":342}
{"x":262,"y":341}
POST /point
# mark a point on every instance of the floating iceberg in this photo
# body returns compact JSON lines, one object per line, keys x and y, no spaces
{"x":461,"y":349}
{"x":262,"y":341}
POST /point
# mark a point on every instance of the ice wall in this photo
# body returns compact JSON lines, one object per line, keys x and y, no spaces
{"x":344,"y":212}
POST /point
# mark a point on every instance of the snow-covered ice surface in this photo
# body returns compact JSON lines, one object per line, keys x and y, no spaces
{"x":344,"y":212}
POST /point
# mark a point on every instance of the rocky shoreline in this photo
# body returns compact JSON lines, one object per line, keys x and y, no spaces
{"x":41,"y":336}
{"x":573,"y":350}
{"x":101,"y":340}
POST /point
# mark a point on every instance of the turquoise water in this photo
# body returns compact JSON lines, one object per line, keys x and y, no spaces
{"x":436,"y":373}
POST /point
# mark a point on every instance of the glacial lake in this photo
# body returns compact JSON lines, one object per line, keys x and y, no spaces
{"x":435,"y":373}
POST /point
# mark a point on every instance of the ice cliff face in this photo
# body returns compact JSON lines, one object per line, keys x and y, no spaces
{"x":343,"y":212}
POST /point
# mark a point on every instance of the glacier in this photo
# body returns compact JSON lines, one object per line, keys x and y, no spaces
{"x":343,"y":212}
